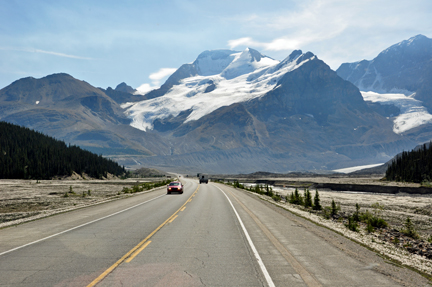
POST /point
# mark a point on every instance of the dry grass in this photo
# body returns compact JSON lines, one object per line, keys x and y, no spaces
{"x":22,"y":200}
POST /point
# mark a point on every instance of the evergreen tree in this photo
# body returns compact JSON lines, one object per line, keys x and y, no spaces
{"x":307,"y":199}
{"x":298,"y":199}
{"x":334,"y":208}
{"x":27,"y":154}
{"x":317,"y":204}
{"x":414,"y":166}
{"x":292,"y":198}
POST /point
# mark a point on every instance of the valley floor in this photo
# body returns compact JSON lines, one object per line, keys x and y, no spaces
{"x":24,"y":200}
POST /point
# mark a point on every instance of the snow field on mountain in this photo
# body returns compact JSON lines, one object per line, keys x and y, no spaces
{"x":356,"y":168}
{"x":242,"y":80}
{"x":412,"y":113}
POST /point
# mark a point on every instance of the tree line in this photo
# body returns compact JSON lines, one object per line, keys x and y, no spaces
{"x":28,"y":154}
{"x":413,"y":166}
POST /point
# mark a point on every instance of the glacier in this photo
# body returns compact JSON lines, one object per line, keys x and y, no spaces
{"x":412,"y":112}
{"x":236,"y":77}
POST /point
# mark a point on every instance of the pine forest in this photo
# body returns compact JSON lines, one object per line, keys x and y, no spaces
{"x":27,"y":154}
{"x":414,"y":166}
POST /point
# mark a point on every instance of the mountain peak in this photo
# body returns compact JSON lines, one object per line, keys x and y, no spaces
{"x":256,"y":56}
{"x":294,"y":54}
{"x":417,"y":38}
{"x":123,"y":87}
{"x":246,"y":62}
{"x":213,"y":62}
{"x":414,"y":44}
{"x":400,"y":68}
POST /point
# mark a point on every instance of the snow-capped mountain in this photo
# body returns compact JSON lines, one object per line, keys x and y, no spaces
{"x":231,"y":111}
{"x":227,"y":112}
{"x":219,"y":78}
{"x":400,"y":76}
{"x":400,"y":68}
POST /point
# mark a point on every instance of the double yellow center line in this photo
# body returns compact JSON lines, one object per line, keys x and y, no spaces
{"x":140,"y":246}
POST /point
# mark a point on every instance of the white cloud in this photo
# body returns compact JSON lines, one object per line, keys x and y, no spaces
{"x":144,"y":89}
{"x":59,"y":54}
{"x":161,"y":74}
{"x":336,"y":31}
{"x":31,"y":50}
{"x":279,"y":44}
{"x":156,"y":78}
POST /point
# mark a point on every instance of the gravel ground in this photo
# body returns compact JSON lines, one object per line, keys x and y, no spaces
{"x":397,"y":207}
{"x":24,"y":200}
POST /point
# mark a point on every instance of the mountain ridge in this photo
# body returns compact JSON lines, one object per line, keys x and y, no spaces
{"x":227,"y":112}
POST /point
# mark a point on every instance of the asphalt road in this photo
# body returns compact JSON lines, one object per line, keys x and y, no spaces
{"x":212,"y":235}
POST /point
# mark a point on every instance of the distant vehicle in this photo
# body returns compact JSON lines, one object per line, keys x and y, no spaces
{"x":203,"y":178}
{"x":175,"y":186}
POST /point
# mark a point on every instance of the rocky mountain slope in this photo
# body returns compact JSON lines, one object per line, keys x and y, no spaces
{"x":278,"y":116}
{"x":398,"y":84}
{"x":72,"y":110}
{"x":402,"y":68}
{"x":227,"y":112}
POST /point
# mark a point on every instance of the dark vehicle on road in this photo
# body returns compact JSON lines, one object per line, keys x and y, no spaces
{"x":203,"y":178}
{"x":175,"y":186}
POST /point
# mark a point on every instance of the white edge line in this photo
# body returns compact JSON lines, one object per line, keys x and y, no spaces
{"x":90,"y":222}
{"x":254,"y":250}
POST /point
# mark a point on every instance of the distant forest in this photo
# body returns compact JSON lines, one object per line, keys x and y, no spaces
{"x":27,"y":154}
{"x":413,"y":166}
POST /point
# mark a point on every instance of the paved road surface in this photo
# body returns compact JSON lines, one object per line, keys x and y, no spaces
{"x":212,"y":235}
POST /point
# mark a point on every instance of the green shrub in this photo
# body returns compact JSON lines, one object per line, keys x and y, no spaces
{"x":291,"y":198}
{"x":269,"y":191}
{"x":276,"y":197}
{"x":365,"y":216}
{"x":136,"y":188}
{"x":369,"y":227}
{"x":238,"y":185}
{"x":356,"y":215}
{"x":410,"y":230}
{"x":327,"y":212}
{"x":378,"y":222}
{"x":373,"y":220}
{"x":352,"y":224}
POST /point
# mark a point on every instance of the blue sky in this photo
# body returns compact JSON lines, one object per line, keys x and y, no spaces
{"x":140,"y":42}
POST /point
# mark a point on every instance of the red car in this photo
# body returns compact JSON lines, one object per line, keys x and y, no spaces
{"x":175,"y":186}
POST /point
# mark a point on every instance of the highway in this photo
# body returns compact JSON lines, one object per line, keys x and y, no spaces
{"x":211,"y":235}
